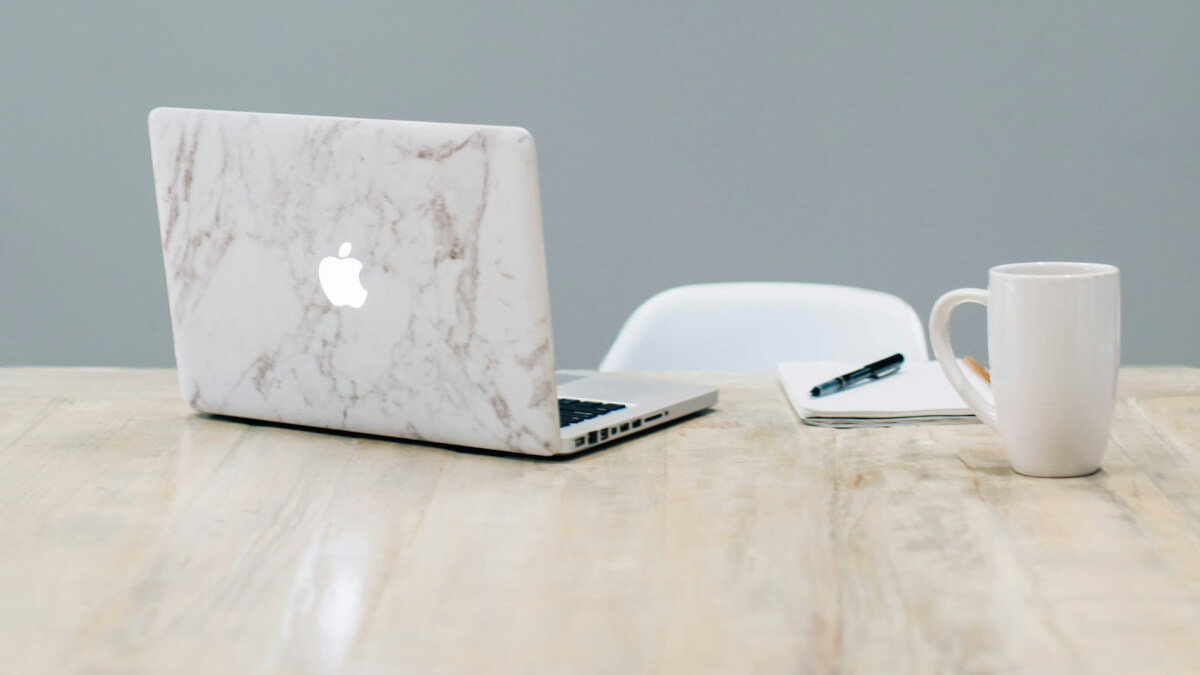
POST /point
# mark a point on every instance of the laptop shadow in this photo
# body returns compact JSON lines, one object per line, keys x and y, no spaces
{"x":460,"y":449}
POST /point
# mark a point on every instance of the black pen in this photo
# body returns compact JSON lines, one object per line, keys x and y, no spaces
{"x":874,"y":371}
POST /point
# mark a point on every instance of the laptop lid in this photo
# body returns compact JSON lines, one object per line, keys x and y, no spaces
{"x":375,"y":276}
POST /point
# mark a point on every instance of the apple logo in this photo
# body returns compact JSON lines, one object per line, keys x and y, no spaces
{"x":339,"y":279}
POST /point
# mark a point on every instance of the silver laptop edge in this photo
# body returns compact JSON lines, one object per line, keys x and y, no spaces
{"x":649,"y":403}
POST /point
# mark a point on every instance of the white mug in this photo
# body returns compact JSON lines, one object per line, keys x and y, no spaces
{"x":1054,"y":347}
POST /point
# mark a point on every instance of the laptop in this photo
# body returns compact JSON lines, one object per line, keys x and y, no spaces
{"x":379,"y":277}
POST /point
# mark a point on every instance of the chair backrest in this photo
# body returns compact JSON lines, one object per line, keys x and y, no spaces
{"x":755,"y":325}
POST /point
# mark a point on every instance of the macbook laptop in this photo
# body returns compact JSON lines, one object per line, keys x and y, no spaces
{"x":375,"y":276}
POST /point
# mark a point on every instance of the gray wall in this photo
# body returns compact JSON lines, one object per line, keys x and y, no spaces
{"x":899,"y":146}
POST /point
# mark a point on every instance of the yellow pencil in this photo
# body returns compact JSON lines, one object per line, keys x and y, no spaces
{"x":979,"y":370}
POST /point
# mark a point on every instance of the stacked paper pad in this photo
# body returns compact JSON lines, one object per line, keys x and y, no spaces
{"x":918,"y":394}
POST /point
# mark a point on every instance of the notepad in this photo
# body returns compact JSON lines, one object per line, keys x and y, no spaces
{"x":918,"y":394}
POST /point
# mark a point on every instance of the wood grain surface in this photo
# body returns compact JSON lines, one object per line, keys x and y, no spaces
{"x":139,"y":537}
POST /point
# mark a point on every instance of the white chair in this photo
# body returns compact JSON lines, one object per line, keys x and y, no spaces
{"x":754,"y":326}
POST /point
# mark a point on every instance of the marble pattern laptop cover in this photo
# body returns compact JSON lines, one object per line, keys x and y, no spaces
{"x":451,"y":340}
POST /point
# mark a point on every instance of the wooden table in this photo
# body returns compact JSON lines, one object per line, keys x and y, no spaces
{"x":137,"y":536}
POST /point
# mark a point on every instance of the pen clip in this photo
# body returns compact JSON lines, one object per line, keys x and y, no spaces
{"x":885,"y":372}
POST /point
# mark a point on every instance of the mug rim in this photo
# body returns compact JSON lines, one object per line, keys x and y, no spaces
{"x":1055,"y":270}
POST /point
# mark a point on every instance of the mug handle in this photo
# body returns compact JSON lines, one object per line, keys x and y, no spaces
{"x":939,"y":336}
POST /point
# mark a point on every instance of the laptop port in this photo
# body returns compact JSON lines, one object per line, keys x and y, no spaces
{"x":625,"y":427}
{"x":592,"y":436}
{"x":580,"y":441}
{"x":653,"y":417}
{"x":604,"y":434}
{"x":637,"y":423}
